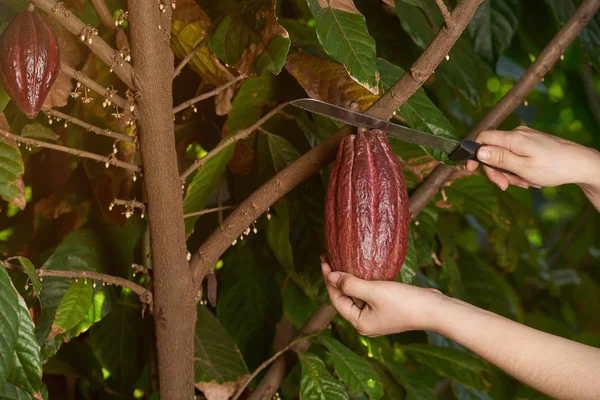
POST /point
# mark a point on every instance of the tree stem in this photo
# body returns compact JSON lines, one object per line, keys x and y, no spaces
{"x":79,"y":153}
{"x":174,"y":296}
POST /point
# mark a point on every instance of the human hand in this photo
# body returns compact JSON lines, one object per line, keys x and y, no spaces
{"x":391,"y":307}
{"x":536,"y":159}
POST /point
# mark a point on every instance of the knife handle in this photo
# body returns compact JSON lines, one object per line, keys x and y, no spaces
{"x":467,"y":150}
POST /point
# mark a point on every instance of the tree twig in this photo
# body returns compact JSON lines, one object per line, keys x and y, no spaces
{"x":447,"y":16}
{"x":188,"y":57}
{"x":59,"y":12}
{"x":232,"y":139}
{"x":208,"y":211}
{"x":104,"y":14}
{"x":144,"y":294}
{"x":266,"y":363}
{"x":90,"y":83}
{"x":207,"y":95}
{"x":110,"y":160}
{"x":89,"y":127}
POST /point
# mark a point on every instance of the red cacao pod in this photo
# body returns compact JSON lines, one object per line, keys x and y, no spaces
{"x":29,"y":61}
{"x":366,"y":209}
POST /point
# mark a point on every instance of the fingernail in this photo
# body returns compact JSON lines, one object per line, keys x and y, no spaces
{"x":334,"y":278}
{"x":483,"y":154}
{"x":524,"y":185}
{"x":323,"y":259}
{"x":536,"y":186}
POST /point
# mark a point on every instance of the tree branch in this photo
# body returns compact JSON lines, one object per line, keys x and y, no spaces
{"x":130,"y":205}
{"x":104,"y":14}
{"x":90,"y":83}
{"x":89,"y":127}
{"x":232,"y":139}
{"x":59,"y":12}
{"x":447,"y":16}
{"x":144,"y":294}
{"x":207,"y":211}
{"x":110,"y":160}
{"x":206,"y":95}
{"x":188,"y":57}
{"x":323,"y":316}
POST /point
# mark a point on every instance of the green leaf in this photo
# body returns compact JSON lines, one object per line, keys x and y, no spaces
{"x":343,"y":32}
{"x":39,"y":131}
{"x":418,"y":111}
{"x":254,"y":96}
{"x":4,"y":98}
{"x":11,"y":172}
{"x":29,"y":269}
{"x":278,"y":235}
{"x":418,"y":382}
{"x":9,"y":391}
{"x":250,"y":36}
{"x":460,"y":70}
{"x":353,"y":370}
{"x":411,"y":265}
{"x":475,"y":195}
{"x":73,"y":307}
{"x":451,"y":363}
{"x":300,"y":33}
{"x":116,"y":343}
{"x":26,"y":372}
{"x":283,"y":152}
{"x":317,"y":383}
{"x":589,"y":36}
{"x":392,"y":390}
{"x":249,"y":302}
{"x":493,"y":27}
{"x":216,"y":356}
{"x":79,"y":251}
{"x":9,"y":323}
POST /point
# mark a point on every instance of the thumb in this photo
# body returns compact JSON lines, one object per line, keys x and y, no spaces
{"x":350,"y":285}
{"x":501,"y":158}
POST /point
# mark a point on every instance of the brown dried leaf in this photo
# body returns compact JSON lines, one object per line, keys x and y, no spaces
{"x":71,"y":54}
{"x":220,"y":391}
{"x":51,"y":208}
{"x":223,"y":101}
{"x":19,"y":200}
{"x":328,"y":81}
{"x":344,"y":5}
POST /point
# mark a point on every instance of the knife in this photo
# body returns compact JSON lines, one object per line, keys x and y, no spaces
{"x":456,"y":150}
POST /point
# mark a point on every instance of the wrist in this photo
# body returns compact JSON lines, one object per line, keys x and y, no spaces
{"x":590,"y":164}
{"x":436,"y":306}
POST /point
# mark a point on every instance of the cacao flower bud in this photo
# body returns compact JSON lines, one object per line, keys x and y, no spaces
{"x":29,"y":61}
{"x":366,"y":209}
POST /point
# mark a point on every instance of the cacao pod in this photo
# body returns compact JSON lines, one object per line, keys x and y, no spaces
{"x":366,"y":209}
{"x":29,"y":61}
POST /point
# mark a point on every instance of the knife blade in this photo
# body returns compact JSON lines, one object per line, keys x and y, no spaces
{"x":456,"y":150}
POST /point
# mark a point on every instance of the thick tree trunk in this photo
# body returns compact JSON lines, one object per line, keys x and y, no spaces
{"x":174,"y":305}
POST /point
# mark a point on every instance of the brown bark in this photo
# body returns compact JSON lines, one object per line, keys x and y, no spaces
{"x":174,"y":305}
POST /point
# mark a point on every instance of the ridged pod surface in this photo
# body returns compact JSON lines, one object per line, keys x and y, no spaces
{"x":366,"y":209}
{"x":29,"y":61}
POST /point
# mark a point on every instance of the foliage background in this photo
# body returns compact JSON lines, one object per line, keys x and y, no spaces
{"x":530,"y":255}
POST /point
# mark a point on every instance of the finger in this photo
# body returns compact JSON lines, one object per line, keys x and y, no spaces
{"x":343,"y":304}
{"x":518,"y":181}
{"x":496,"y":177}
{"x":472,"y":165}
{"x":501,"y":158}
{"x":513,"y":141}
{"x":352,"y":286}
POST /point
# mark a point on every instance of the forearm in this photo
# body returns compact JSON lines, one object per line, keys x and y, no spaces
{"x":558,"y":367}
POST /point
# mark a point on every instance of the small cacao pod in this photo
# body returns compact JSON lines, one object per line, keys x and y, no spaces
{"x":29,"y":61}
{"x":366,"y":209}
